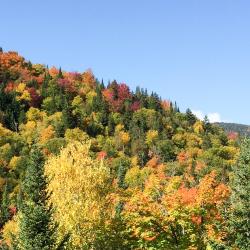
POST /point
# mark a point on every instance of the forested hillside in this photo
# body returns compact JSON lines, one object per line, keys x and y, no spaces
{"x":240,"y":129}
{"x":90,"y":165}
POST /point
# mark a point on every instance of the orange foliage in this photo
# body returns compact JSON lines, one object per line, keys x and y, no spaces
{"x":47,"y":134}
{"x":53,"y":71}
{"x":88,"y":78}
{"x":10,"y":60}
{"x":182,"y":157}
{"x":165,"y":105}
{"x":152,"y":163}
{"x":188,"y":196}
{"x":9,"y":87}
{"x":101,"y":155}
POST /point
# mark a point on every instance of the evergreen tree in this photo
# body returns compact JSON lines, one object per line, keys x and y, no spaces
{"x":5,"y":215}
{"x":37,"y":231}
{"x":60,"y":74}
{"x":190,"y":117}
{"x":239,"y":213}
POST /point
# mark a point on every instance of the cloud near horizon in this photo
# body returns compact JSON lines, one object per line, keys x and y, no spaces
{"x":212,"y":117}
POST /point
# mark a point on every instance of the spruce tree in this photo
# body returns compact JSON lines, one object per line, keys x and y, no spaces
{"x":190,"y":117}
{"x":37,"y":230}
{"x":239,"y":213}
{"x":5,"y":215}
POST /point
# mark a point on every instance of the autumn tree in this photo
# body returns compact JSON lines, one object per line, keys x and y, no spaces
{"x":79,"y":190}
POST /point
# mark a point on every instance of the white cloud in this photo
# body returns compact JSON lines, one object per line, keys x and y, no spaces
{"x":212,"y":117}
{"x":198,"y":113}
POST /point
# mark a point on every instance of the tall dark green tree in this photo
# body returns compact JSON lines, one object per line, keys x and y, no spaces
{"x":37,"y":230}
{"x":5,"y":214}
{"x":239,"y":213}
{"x":190,"y":117}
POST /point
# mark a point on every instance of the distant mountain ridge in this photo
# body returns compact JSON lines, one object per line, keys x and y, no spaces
{"x":242,"y":129}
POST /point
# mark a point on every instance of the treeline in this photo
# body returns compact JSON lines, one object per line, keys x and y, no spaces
{"x":89,"y":166}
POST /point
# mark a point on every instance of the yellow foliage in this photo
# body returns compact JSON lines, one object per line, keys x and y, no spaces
{"x":119,"y":127}
{"x":34,"y":114}
{"x":28,"y":131}
{"x":77,"y":101}
{"x":122,"y":138}
{"x":5,"y":150}
{"x":2,"y":182}
{"x":134,"y":161}
{"x":24,"y":96}
{"x":193,"y":140}
{"x":14,"y":161}
{"x":10,"y":229}
{"x":151,"y":136}
{"x":76,"y":134}
{"x":79,"y":186}
{"x":173,"y":184}
{"x":20,"y":87}
{"x":4,"y":131}
{"x":125,"y":138}
{"x":57,"y":116}
{"x":198,"y":127}
{"x":46,"y":134}
{"x":136,"y":177}
{"x":90,"y":96}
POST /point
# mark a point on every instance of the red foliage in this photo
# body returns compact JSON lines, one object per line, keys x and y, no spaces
{"x":73,"y":76}
{"x":108,"y":95}
{"x":135,"y":106}
{"x":12,"y":210}
{"x":232,"y":135}
{"x":35,"y":97}
{"x":115,"y":95}
{"x":10,"y":87}
{"x":123,"y":92}
{"x":101,"y":155}
{"x":66,"y":84}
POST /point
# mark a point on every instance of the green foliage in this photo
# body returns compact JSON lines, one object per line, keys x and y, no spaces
{"x":155,"y":158}
{"x":37,"y":230}
{"x":5,"y":214}
{"x":243,"y":130}
{"x":239,"y":213}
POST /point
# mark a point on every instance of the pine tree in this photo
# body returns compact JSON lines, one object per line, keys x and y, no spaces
{"x":60,"y":74}
{"x":37,"y":231}
{"x":239,"y":213}
{"x":190,"y":117}
{"x":5,"y":215}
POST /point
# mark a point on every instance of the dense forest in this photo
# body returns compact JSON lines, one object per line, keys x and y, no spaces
{"x":89,"y":165}
{"x":241,"y":129}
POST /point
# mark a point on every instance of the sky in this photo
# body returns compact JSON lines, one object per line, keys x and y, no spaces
{"x":196,"y":53}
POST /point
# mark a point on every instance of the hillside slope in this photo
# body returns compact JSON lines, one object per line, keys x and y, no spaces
{"x":241,"y":129}
{"x":134,"y":172}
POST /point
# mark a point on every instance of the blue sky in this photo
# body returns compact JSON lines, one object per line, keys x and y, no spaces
{"x":194,"y":52}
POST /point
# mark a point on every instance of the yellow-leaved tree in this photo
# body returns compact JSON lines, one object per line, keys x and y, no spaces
{"x":79,"y":187}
